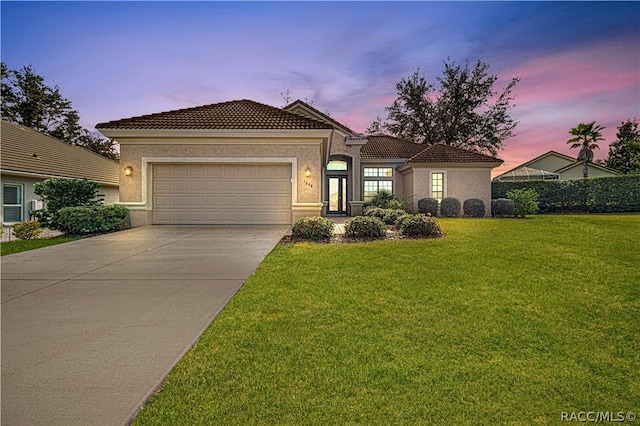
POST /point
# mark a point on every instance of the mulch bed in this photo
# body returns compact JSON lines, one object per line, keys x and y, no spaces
{"x":392,"y":234}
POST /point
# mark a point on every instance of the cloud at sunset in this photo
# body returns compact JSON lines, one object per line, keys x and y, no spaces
{"x":578,"y":61}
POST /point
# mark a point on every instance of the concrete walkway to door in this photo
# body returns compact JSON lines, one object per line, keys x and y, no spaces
{"x":91,"y":328}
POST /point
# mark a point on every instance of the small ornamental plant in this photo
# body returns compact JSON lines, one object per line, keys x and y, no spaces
{"x":27,"y":230}
{"x":391,"y":215}
{"x":313,"y":228}
{"x":420,"y":226}
{"x":525,"y":201}
{"x":365,"y":227}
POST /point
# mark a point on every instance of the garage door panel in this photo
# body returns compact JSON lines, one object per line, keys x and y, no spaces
{"x":231,"y":185}
{"x":222,"y":193}
{"x":197,"y":185}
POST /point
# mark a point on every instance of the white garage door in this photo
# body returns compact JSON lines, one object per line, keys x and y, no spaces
{"x":221,"y":194}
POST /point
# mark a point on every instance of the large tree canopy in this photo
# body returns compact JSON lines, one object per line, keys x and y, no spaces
{"x":28,"y":101}
{"x":624,"y":152}
{"x":462,"y":109}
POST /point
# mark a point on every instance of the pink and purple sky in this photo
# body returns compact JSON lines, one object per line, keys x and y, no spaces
{"x":578,"y":61}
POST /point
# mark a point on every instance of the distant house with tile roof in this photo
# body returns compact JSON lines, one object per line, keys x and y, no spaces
{"x":243,"y":162}
{"x":553,"y":165}
{"x":28,"y":156}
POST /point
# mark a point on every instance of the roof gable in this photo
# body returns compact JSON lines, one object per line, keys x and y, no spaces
{"x":303,"y":108}
{"x":389,"y":147}
{"x":550,"y":161}
{"x":232,"y":115}
{"x":441,"y":153}
{"x":25,"y":150}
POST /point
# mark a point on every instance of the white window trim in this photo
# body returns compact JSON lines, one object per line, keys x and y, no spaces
{"x":17,"y":185}
{"x":444,"y":182}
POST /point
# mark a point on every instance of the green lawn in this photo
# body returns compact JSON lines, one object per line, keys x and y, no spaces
{"x":503,"y":321}
{"x":11,"y":247}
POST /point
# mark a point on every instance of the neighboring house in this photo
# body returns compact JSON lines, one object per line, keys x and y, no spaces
{"x":553,"y":165}
{"x":243,"y":162}
{"x":28,"y":156}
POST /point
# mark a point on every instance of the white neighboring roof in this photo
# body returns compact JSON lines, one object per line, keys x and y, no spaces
{"x":527,"y":173}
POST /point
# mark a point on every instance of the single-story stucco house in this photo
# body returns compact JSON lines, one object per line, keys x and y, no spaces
{"x":28,"y":156}
{"x":555,"y":166}
{"x":243,"y":162}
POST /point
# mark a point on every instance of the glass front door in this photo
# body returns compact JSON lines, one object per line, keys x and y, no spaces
{"x":337,"y":195}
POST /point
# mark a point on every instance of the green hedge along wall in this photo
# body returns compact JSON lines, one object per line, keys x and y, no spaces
{"x":598,"y":195}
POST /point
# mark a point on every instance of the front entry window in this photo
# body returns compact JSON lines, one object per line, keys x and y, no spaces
{"x":337,"y":195}
{"x":377,"y":179}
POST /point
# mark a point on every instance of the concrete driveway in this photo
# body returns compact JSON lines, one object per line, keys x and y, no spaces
{"x":91,"y":328}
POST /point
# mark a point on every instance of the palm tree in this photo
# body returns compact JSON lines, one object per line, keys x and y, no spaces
{"x":586,"y":137}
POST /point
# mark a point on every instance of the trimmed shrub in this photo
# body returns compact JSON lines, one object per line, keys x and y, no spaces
{"x":420,"y":225}
{"x":365,"y":227}
{"x":502,"y":207}
{"x":313,"y":228}
{"x":450,"y":207}
{"x":91,"y":220}
{"x":474,"y":207}
{"x":525,"y":201}
{"x":615,"y":194}
{"x":391,"y":215}
{"x":428,"y":206}
{"x":27,"y":230}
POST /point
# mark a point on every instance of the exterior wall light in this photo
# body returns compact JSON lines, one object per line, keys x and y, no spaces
{"x":128,"y":171}
{"x":307,"y":172}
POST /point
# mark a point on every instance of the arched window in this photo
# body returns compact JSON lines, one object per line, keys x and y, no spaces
{"x":336,"y":165}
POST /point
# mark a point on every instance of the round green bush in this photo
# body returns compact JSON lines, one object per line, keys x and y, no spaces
{"x":502,"y":207}
{"x":420,"y":225}
{"x":365,"y":227}
{"x":313,"y":228}
{"x":373,"y":211}
{"x":428,"y":206}
{"x":450,"y":207}
{"x":399,"y":220}
{"x":473,"y":207}
{"x":391,"y":215}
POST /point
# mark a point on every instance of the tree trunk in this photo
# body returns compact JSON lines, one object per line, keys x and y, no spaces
{"x":585,"y":169}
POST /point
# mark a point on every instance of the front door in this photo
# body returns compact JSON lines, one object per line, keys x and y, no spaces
{"x":337,"y":195}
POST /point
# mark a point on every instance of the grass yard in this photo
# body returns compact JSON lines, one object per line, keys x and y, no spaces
{"x":11,"y":247}
{"x":503,"y":321}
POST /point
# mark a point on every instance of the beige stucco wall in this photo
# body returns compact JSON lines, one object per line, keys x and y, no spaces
{"x":460,"y":182}
{"x":306,"y":152}
{"x":576,"y":172}
{"x":110,"y":193}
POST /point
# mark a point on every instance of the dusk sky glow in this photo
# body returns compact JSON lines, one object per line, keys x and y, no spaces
{"x":578,"y":61}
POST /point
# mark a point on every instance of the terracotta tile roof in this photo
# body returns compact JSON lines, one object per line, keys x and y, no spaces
{"x":440,"y":153}
{"x":243,"y":114}
{"x":384,"y":146}
{"x":28,"y":151}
